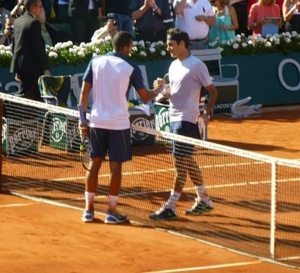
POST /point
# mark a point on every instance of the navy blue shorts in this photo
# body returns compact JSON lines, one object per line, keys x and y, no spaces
{"x":184,"y":128}
{"x":114,"y":143}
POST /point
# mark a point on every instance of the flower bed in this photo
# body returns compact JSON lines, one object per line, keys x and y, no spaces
{"x":69,"y":54}
{"x":279,"y":43}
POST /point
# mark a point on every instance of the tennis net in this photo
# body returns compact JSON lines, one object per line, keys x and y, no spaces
{"x":256,"y":197}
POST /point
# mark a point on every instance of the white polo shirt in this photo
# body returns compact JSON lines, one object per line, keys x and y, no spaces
{"x":186,"y":79}
{"x":111,"y":77}
{"x":187,"y":21}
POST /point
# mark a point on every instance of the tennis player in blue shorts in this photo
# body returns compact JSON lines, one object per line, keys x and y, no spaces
{"x":111,"y":77}
{"x":187,"y":75}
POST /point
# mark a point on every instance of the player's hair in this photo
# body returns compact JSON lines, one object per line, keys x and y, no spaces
{"x":178,"y":35}
{"x":121,"y":39}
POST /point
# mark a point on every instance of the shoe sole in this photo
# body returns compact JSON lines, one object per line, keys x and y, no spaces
{"x":198,"y":212}
{"x":87,"y":220}
{"x":163,"y":219}
{"x":115,"y":223}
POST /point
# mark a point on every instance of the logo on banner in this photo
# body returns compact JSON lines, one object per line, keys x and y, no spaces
{"x":163,"y":119}
{"x":58,"y":129}
{"x":141,"y":121}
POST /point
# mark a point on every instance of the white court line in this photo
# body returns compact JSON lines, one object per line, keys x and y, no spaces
{"x":16,"y":205}
{"x":205,"y":267}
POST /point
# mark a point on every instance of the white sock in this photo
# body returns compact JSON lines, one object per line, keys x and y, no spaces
{"x":201,"y":193}
{"x":113,"y":201}
{"x":89,"y":200}
{"x":173,"y":199}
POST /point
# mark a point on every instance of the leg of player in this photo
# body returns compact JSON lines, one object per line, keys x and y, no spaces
{"x":112,"y":215}
{"x":90,"y":189}
{"x":202,"y":203}
{"x":168,"y":210}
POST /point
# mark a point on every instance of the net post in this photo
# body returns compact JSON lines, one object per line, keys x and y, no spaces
{"x":273,"y":209}
{"x":1,"y":115}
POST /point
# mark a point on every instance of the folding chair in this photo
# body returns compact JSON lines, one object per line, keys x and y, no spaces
{"x":54,"y":90}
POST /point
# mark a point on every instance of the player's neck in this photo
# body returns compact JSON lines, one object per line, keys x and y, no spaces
{"x":185,"y":54}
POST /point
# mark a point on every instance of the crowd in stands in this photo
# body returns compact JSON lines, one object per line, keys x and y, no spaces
{"x":148,"y":20}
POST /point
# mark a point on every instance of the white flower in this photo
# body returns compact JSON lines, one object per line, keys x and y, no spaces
{"x":53,"y":55}
{"x":142,"y":43}
{"x":81,"y":53}
{"x":152,"y":49}
{"x":235,"y":46}
{"x":143,"y":54}
{"x":288,"y":40}
{"x":58,"y":46}
{"x":163,"y":53}
{"x":268,"y":44}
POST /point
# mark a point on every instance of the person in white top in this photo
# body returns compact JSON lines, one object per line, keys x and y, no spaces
{"x":187,"y":75}
{"x":195,"y":17}
{"x":108,"y":30}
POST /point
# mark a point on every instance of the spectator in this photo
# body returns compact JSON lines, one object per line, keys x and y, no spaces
{"x":291,"y":15}
{"x":251,"y":2}
{"x":259,"y":13}
{"x":240,"y":7}
{"x":149,"y":16}
{"x":107,"y":31}
{"x":111,"y":77}
{"x":170,"y":23}
{"x":84,"y":19}
{"x":226,"y":21}
{"x":195,"y":17}
{"x":29,"y":59}
{"x":8,"y":30}
{"x":16,"y":11}
{"x":122,"y":9}
{"x":187,"y":74}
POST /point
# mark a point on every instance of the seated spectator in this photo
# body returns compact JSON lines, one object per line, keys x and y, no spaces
{"x":108,"y":30}
{"x":291,"y":15}
{"x":259,"y":13}
{"x":149,"y":16}
{"x":226,"y":21}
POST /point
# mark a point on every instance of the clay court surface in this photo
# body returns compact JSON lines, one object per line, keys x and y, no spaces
{"x":38,"y":237}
